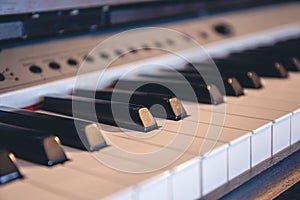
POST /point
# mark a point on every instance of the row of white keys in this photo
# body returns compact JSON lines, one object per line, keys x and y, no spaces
{"x":287,"y":92}
{"x":213,"y":175}
{"x":261,"y":130}
{"x":160,"y":184}
{"x":286,"y":130}
{"x":155,"y":184}
{"x":281,"y":123}
{"x":265,"y":125}
{"x":239,"y":140}
{"x":85,"y":178}
{"x":270,"y":104}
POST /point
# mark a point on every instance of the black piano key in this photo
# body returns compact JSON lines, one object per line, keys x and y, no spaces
{"x":8,"y":169}
{"x":140,"y":117}
{"x":32,"y":145}
{"x":261,"y":66}
{"x":87,"y":136}
{"x":204,"y":93}
{"x":246,"y":78}
{"x":231,"y":84}
{"x":172,"y":105}
{"x":291,"y":44}
{"x":289,"y":57}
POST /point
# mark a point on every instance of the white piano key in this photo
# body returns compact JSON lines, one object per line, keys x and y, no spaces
{"x":261,"y":145}
{"x":212,"y":173}
{"x":153,"y":189}
{"x":185,"y":180}
{"x":288,"y":84}
{"x":295,"y":127}
{"x":95,"y":167}
{"x":157,"y":179}
{"x":22,"y":190}
{"x":281,"y":135}
{"x":123,"y":195}
{"x":260,"y":102}
{"x":239,"y":157}
{"x":67,"y":182}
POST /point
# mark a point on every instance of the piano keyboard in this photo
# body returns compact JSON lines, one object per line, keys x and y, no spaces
{"x":184,"y":149}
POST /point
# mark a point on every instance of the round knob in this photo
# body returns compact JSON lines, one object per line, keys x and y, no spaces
{"x":72,"y":62}
{"x":54,"y":65}
{"x":35,"y":69}
{"x":223,"y":29}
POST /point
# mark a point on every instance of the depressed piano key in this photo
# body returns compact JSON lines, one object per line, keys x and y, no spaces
{"x":204,"y":93}
{"x":32,"y":145}
{"x":86,"y":136}
{"x":8,"y":169}
{"x":231,"y":84}
{"x":171,"y":105}
{"x":139,"y":117}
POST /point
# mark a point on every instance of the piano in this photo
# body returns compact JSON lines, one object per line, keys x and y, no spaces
{"x":149,"y":99}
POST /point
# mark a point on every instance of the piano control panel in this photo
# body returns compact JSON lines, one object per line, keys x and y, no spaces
{"x":37,"y":63}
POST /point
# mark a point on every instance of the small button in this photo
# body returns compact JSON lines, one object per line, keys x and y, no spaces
{"x":54,"y":65}
{"x":104,"y":55}
{"x":118,"y":52}
{"x":88,"y":58}
{"x":2,"y":77}
{"x":203,"y":34}
{"x":35,"y":69}
{"x":187,"y":37}
{"x":158,"y":44}
{"x":223,"y":29}
{"x":132,"y":50}
{"x":72,"y":62}
{"x":170,"y":42}
{"x":146,"y":47}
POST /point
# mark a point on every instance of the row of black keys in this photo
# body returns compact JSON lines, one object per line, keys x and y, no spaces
{"x":33,"y":136}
